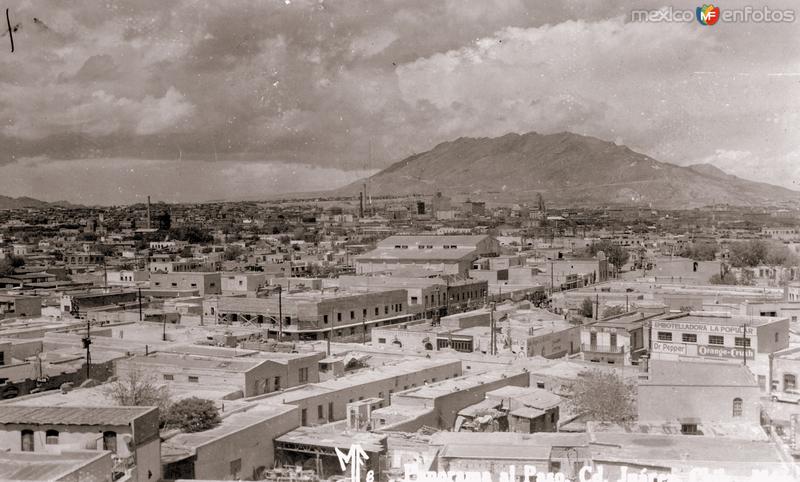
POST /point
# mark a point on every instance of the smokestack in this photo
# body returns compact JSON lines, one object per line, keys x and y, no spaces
{"x":149,"y":225}
{"x":365,"y":192}
{"x":361,"y":204}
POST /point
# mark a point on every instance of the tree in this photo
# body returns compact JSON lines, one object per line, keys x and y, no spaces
{"x":233,"y":252}
{"x":587,"y":308}
{"x":164,"y":221}
{"x":727,"y":279}
{"x":615,"y":254}
{"x":746,"y":254}
{"x":193,"y":415}
{"x":701,"y":251}
{"x":9,"y":263}
{"x":139,"y":389}
{"x":603,"y":397}
{"x":613,"y":311}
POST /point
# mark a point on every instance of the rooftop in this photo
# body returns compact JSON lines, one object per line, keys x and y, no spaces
{"x":44,"y":466}
{"x":332,"y":438}
{"x":696,"y":374}
{"x":24,"y":414}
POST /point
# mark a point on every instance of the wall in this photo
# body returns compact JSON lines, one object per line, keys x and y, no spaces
{"x":713,"y":404}
{"x":253,"y":445}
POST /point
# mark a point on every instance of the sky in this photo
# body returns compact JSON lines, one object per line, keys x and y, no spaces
{"x":108,"y":102}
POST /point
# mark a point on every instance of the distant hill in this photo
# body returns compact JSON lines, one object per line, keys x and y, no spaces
{"x":566,"y":168}
{"x":28,"y":202}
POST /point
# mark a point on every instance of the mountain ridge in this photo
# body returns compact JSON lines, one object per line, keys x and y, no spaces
{"x":566,"y":168}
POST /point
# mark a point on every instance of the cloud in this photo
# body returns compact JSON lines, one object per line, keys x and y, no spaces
{"x":317,"y":83}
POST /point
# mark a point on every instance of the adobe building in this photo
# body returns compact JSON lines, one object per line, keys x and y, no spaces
{"x":131,"y":433}
{"x":314,"y":315}
{"x":696,"y":396}
{"x":441,"y":254}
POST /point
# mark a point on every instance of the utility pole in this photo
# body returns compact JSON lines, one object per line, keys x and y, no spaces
{"x":164,"y":330}
{"x":552,"y":287}
{"x":140,"y":305}
{"x":87,"y":342}
{"x":596,"y":306}
{"x":492,"y":348}
{"x":280,"y":313}
{"x":744,"y":344}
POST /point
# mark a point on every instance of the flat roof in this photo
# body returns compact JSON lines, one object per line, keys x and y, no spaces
{"x":666,"y":372}
{"x":37,"y":466}
{"x":331,"y":438}
{"x":719,"y":318}
{"x":24,"y":414}
{"x":357,"y":378}
{"x":229,"y":425}
{"x":179,"y":360}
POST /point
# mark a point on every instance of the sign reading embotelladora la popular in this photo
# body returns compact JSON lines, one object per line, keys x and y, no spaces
{"x":701,"y":327}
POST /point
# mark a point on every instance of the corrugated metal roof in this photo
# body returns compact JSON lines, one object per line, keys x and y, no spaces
{"x":71,"y":415}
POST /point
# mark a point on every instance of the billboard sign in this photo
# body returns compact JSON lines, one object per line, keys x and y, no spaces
{"x":725,"y":352}
{"x":674,"y":348}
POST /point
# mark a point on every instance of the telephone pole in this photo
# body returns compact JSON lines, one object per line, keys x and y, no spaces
{"x":744,"y":344}
{"x":87,"y":342}
{"x":280,"y":313}
{"x":140,"y":304}
{"x":492,"y":348}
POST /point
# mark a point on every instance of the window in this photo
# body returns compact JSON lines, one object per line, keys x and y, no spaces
{"x":377,"y":312}
{"x":325,"y":319}
{"x":689,"y":428}
{"x":110,"y":441}
{"x":664,"y":336}
{"x":27,"y":440}
{"x":352,"y":315}
{"x":613,"y":339}
{"x":194,"y":379}
{"x":304,"y":417}
{"x":689,"y":338}
{"x":716,"y":340}
{"x":741,"y":341}
{"x":414,"y":300}
{"x":386,"y":310}
{"x":381,"y":340}
{"x":737,"y":407}
{"x":789,"y":381}
{"x":277,"y":383}
{"x":236,"y":468}
{"x":304,"y":375}
{"x":794,"y":318}
{"x":539,"y":384}
{"x":338,"y":317}
{"x":51,"y":437}
{"x":320,"y":412}
{"x":168,"y":376}
{"x":593,"y":339}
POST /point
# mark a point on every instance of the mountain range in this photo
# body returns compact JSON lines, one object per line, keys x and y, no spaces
{"x":567,"y":169}
{"x":28,"y":202}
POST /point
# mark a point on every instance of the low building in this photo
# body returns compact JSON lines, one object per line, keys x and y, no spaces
{"x":619,"y":340}
{"x":204,"y":283}
{"x":709,"y":393}
{"x":19,"y":306}
{"x":242,"y":283}
{"x":442,"y":254}
{"x":249,"y":375}
{"x":240,"y":448}
{"x":66,"y":466}
{"x":131,"y":433}
{"x":314,"y":315}
{"x":720,"y":337}
{"x":327,"y":401}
